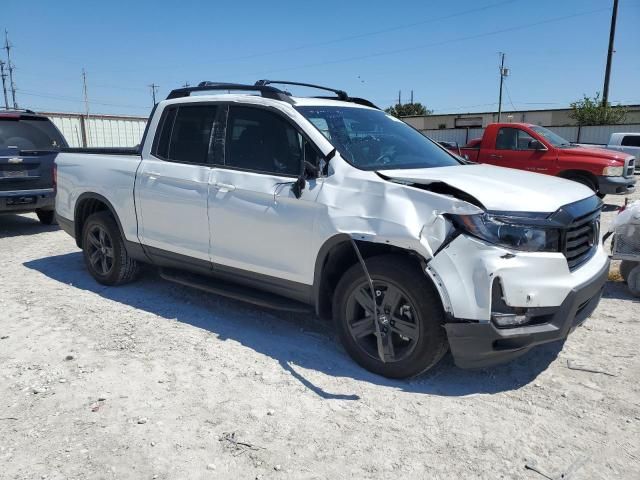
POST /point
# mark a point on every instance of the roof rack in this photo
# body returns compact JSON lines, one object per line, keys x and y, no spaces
{"x":341,"y":94}
{"x":265,"y":91}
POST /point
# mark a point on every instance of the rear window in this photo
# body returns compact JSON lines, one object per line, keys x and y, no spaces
{"x":631,"y":141}
{"x":30,"y":134}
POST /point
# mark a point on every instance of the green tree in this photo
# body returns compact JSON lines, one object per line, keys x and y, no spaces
{"x":591,"y":111}
{"x":407,"y":109}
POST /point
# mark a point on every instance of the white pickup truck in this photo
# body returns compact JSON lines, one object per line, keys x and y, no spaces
{"x":627,"y":143}
{"x":328,"y":203}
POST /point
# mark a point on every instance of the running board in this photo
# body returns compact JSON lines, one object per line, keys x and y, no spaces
{"x":235,"y":291}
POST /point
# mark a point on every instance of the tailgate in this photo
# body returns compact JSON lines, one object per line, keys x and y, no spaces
{"x":26,"y":170}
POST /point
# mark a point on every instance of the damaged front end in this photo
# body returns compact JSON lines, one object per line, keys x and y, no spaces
{"x":513,"y":280}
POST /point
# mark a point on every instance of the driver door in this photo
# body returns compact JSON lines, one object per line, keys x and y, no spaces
{"x":514,"y":150}
{"x":257,"y":225}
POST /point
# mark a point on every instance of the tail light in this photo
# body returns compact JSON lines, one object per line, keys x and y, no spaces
{"x":55,"y":177}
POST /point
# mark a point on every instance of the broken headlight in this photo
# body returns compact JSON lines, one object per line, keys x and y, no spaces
{"x":509,"y":232}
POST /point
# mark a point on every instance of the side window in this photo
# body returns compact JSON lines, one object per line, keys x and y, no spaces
{"x":513,"y":139}
{"x":630,"y":141}
{"x":261,"y":141}
{"x":161,"y":149}
{"x":186,"y":134}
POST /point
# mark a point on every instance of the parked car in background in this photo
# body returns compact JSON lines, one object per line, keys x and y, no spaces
{"x":29,"y":144}
{"x":627,"y":143}
{"x":331,"y":204}
{"x":537,"y":149}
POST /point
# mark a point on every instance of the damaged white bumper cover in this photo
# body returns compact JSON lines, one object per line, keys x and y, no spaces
{"x":481,"y":282}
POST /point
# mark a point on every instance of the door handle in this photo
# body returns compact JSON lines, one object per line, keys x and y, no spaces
{"x":493,"y":155}
{"x":224,"y":187}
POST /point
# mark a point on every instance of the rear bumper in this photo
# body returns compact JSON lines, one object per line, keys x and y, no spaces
{"x":477,"y":345}
{"x":616,"y":185}
{"x":21,"y":201}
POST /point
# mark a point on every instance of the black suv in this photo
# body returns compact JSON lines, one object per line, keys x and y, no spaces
{"x":29,"y":144}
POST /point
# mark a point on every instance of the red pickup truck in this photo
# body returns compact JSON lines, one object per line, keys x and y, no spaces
{"x":537,"y":149}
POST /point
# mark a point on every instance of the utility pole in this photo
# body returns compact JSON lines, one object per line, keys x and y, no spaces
{"x":399,"y":97}
{"x":411,"y":97}
{"x":4,"y":85}
{"x":154,"y":90}
{"x":186,"y":85}
{"x":85,"y":95}
{"x":86,"y":107}
{"x":10,"y":66}
{"x":612,"y":34}
{"x":504,"y":72}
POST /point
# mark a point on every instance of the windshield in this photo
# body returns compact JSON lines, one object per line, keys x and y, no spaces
{"x":29,"y":134}
{"x":553,"y":138}
{"x":372,"y":140}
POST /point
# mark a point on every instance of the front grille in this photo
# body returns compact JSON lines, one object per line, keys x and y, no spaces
{"x":580,"y":239}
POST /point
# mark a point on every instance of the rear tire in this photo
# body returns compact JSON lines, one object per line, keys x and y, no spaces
{"x":633,"y":280}
{"x":46,"y":217}
{"x":410,"y":313}
{"x":105,"y":255}
{"x":625,"y":268}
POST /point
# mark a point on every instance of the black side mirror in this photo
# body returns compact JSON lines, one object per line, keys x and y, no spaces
{"x":536,"y":145}
{"x":310,"y":171}
{"x":298,"y":186}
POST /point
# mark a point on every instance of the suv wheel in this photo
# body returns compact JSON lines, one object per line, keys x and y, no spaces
{"x":46,"y":217}
{"x":104,"y":253}
{"x":408,"y":331}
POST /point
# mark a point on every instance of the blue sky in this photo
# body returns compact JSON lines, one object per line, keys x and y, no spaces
{"x":445,"y":51}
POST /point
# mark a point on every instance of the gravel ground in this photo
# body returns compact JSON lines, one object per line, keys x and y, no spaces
{"x":153,"y":380}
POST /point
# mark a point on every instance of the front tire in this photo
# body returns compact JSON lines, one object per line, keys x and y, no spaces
{"x":46,"y":217}
{"x":104,"y":252}
{"x":409,"y":332}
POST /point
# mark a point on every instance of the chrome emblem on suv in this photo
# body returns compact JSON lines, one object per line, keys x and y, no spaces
{"x":15,"y":160}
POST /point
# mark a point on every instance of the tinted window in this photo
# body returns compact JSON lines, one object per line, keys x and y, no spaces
{"x":162,"y":148}
{"x":186,"y":134}
{"x":30,"y":134}
{"x":262,"y":141}
{"x":631,"y":141}
{"x":513,"y":139}
{"x":371,"y":140}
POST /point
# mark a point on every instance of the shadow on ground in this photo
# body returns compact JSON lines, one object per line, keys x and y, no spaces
{"x":21,"y":225}
{"x":296,"y":341}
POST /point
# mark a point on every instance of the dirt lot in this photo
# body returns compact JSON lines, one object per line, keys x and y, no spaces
{"x":157,"y":381}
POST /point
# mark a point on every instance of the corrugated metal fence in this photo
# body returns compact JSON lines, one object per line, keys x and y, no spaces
{"x":99,"y":130}
{"x":597,"y":134}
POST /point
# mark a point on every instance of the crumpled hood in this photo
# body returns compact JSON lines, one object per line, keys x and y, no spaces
{"x":498,"y":188}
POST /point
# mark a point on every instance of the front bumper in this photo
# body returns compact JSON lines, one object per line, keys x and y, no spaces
{"x":616,"y":185}
{"x":22,"y":201}
{"x":476,"y":345}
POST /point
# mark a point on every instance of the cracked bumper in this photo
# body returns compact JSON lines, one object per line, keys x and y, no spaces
{"x":477,"y":345}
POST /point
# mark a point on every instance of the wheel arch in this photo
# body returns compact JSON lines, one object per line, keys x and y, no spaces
{"x":337,"y":255}
{"x":87,"y":204}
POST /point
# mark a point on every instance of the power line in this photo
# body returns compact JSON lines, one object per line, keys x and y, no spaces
{"x":435,"y":44}
{"x":78,"y":100}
